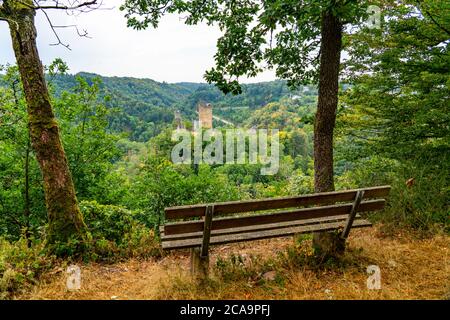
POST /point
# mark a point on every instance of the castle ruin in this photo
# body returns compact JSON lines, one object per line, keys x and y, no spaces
{"x":178,"y":121}
{"x":205,"y":115}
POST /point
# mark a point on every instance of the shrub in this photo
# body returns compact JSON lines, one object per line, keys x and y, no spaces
{"x":21,"y":266}
{"x":419,"y":195}
{"x":116,"y":233}
{"x":161,"y":184}
{"x":106,"y":221}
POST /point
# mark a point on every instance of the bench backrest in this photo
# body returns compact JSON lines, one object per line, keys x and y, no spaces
{"x":326,"y":204}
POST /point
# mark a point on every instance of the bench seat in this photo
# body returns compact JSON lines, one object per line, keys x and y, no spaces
{"x":249,"y":233}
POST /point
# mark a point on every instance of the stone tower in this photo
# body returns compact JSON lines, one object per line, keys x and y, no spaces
{"x":205,"y":115}
{"x":178,"y":121}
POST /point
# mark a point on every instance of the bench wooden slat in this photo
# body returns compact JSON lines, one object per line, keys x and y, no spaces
{"x":299,"y":214}
{"x":262,"y":227}
{"x":248,"y":236}
{"x":276,"y":203}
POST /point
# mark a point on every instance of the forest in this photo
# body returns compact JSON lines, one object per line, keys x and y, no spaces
{"x":92,"y":192}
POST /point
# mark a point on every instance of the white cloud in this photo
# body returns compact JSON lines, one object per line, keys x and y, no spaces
{"x":173,"y":53}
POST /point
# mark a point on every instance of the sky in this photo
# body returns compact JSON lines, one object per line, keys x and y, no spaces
{"x":173,"y":53}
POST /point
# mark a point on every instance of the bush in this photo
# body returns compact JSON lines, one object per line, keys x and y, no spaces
{"x":21,"y":266}
{"x":116,"y":233}
{"x":106,"y":221}
{"x":418,"y":198}
{"x":160,"y":184}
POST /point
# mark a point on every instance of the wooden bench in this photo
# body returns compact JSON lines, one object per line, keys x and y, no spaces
{"x":208,"y":224}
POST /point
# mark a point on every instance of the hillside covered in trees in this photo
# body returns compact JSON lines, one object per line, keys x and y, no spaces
{"x":142,"y":107}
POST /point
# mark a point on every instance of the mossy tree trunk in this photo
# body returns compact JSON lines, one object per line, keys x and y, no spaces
{"x":27,"y":202}
{"x":331,"y":44}
{"x":64,"y":216}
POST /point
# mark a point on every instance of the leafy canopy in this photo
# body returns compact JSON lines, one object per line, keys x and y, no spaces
{"x":398,"y":105}
{"x":283,"y":34}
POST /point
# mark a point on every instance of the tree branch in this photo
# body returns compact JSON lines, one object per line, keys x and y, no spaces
{"x":55,"y":33}
{"x":65,"y":7}
{"x":54,"y":27}
{"x":2,"y":13}
{"x":436,"y":23}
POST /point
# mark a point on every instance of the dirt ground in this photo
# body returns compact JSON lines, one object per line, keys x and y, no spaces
{"x":411,"y":268}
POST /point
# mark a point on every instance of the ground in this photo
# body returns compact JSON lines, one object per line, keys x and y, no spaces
{"x":411,"y":268}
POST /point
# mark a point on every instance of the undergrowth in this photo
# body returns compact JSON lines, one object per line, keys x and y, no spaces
{"x":247,"y":273}
{"x":115,"y":235}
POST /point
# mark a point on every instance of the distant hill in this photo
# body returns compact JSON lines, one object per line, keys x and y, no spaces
{"x":145,"y":105}
{"x":147,"y":91}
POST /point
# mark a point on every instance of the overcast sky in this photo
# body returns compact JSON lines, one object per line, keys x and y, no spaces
{"x":173,"y":53}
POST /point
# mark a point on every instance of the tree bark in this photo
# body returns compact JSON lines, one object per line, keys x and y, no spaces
{"x":27,"y":204}
{"x":330,"y":54}
{"x":65,"y":220}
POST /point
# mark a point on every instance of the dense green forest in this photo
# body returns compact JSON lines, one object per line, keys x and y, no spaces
{"x":101,"y":152}
{"x":390,"y":125}
{"x":143,"y":107}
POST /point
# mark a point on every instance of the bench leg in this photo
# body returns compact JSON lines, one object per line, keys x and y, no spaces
{"x":199,"y":264}
{"x":332,"y":244}
{"x":328,"y":244}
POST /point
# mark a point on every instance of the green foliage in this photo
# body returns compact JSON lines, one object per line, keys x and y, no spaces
{"x":108,"y":222}
{"x":275,"y":115}
{"x":283,"y":34}
{"x":419,"y":196}
{"x":21,"y":266}
{"x":300,"y":183}
{"x":159,"y":184}
{"x":90,"y":147}
{"x":139,"y":107}
{"x":143,"y":107}
{"x":57,"y":67}
{"x":17,"y":214}
{"x":398,"y":104}
{"x":392,"y":129}
{"x":90,"y":150}
{"x":115,"y":233}
{"x":393,"y":122}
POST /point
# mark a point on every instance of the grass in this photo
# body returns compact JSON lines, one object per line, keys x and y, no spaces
{"x":411,"y":268}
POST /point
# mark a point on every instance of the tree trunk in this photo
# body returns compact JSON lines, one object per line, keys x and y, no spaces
{"x":27,"y":204}
{"x":327,"y":105}
{"x":64,"y":216}
{"x":330,"y":54}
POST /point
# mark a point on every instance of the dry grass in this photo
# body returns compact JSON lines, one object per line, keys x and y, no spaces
{"x":411,"y":268}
